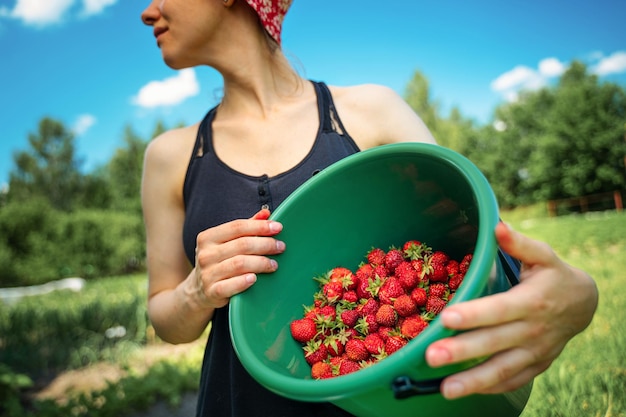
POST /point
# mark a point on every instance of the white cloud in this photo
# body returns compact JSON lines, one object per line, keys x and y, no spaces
{"x":168,"y":92}
{"x":522,"y":77}
{"x":94,"y":7}
{"x":613,"y":64}
{"x":42,"y":13}
{"x":551,"y":67}
{"x":37,"y":12}
{"x":83,"y":123}
{"x":517,"y":77}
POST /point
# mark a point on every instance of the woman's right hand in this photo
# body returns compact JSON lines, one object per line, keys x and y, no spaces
{"x":229,"y":256}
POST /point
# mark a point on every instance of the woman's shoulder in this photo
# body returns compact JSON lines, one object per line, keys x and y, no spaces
{"x":171,"y":144}
{"x":366,"y":95}
{"x":375,"y":114}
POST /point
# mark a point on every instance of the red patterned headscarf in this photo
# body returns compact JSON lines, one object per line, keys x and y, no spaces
{"x":271,"y":13}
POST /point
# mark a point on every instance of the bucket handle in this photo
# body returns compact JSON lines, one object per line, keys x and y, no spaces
{"x":511,"y":267}
{"x":404,"y":387}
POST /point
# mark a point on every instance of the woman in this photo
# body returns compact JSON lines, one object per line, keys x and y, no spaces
{"x":215,"y":183}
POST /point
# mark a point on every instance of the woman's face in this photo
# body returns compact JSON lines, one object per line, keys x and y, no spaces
{"x":183,"y":28}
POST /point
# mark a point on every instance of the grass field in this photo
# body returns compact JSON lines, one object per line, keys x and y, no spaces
{"x":589,"y":378}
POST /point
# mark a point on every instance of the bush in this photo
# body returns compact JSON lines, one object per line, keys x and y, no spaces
{"x":42,"y":335}
{"x":27,"y":235}
{"x":39,"y":243}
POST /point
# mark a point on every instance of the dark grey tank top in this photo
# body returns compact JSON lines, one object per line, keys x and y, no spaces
{"x":214,"y":194}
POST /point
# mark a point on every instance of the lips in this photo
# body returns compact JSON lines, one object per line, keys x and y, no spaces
{"x":158,"y":31}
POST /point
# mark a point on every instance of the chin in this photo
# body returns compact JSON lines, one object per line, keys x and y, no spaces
{"x":176,"y":64}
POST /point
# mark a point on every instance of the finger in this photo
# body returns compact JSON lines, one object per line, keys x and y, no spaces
{"x":476,"y":344}
{"x":262,"y":214}
{"x":490,"y":310}
{"x":236,"y":229}
{"x":503,"y":372}
{"x":529,"y":251}
{"x":237,"y":251}
{"x":518,"y":381}
{"x":222,"y":291}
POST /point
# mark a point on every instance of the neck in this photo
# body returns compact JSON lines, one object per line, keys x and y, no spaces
{"x":261,"y":84}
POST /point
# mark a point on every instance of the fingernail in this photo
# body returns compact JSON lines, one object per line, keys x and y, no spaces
{"x":275,"y":227}
{"x":507,"y":225}
{"x":274,"y":264}
{"x":453,"y":389}
{"x":250,"y":278}
{"x":280,"y":245}
{"x":437,"y":356}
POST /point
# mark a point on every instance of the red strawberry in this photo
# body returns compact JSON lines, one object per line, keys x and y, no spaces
{"x":370,"y":307}
{"x":454,"y":282}
{"x":438,"y":290}
{"x":439,"y":257}
{"x":350,"y":296}
{"x":407,"y":275}
{"x":376,"y":256}
{"x":315,"y":351}
{"x":419,"y":267}
{"x":303,"y":329}
{"x":356,"y":350}
{"x":311,"y":312}
{"x":328,"y":312}
{"x":362,"y":287}
{"x":349,"y":317}
{"x":434,"y":305}
{"x":365,"y":271}
{"x":393,"y":258}
{"x":338,"y":273}
{"x":437,"y":272}
{"x":374,"y":343}
{"x":385,"y":332}
{"x":381,"y":271}
{"x":333,"y":290}
{"x":465,"y":263}
{"x":390,"y":290}
{"x":367,"y":324}
{"x":419,"y":296}
{"x":334,"y":345}
{"x":321,"y":370}
{"x":412,"y":326}
{"x":394,"y":343}
{"x":386,"y":315}
{"x":348,"y":366}
{"x":335,"y":361}
{"x":344,"y":276}
{"x":404,"y":305}
{"x":453,"y":267}
{"x":413,"y":249}
{"x":410,"y":244}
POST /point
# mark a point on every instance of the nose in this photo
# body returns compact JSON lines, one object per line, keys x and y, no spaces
{"x":151,"y":13}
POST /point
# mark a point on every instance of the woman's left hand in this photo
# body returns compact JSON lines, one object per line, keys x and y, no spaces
{"x":522,"y":330}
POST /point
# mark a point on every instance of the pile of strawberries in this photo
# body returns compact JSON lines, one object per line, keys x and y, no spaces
{"x":358,"y":318}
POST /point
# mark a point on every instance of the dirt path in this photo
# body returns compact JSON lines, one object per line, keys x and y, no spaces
{"x":96,"y":377}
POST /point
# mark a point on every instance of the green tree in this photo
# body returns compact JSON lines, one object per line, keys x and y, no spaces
{"x":124,"y":170}
{"x":417,"y":95}
{"x":565,"y":141}
{"x":49,"y":169}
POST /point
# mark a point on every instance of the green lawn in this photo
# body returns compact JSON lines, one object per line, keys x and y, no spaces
{"x":589,"y":378}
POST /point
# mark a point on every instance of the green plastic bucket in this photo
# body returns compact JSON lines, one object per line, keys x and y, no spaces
{"x":379,"y":197}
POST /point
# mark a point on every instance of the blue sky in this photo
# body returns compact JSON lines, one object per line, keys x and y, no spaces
{"x":92,"y":64}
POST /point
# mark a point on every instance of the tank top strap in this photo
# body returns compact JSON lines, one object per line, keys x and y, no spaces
{"x":204,"y":141}
{"x":329,"y":118}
